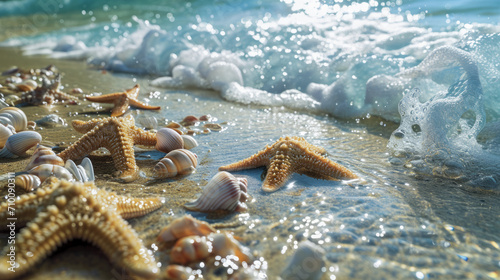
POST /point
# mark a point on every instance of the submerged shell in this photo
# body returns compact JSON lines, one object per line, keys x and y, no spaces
{"x":182,"y":227}
{"x":44,"y":171}
{"x":168,"y":140}
{"x":176,"y":162}
{"x":223,"y":192}
{"x":19,"y":143}
{"x":44,"y":155}
{"x":28,"y":182}
{"x":15,"y":117}
{"x":307,"y":262}
{"x":189,"y":142}
{"x":83,"y":172}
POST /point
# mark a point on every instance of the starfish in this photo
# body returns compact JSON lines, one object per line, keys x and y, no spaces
{"x":118,"y":135}
{"x":291,"y":155}
{"x":61,"y":211}
{"x":122,"y":100}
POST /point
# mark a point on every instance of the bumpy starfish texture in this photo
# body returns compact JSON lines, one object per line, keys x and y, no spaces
{"x":122,"y":101}
{"x":292,"y":155}
{"x":118,"y":135}
{"x":62,"y":211}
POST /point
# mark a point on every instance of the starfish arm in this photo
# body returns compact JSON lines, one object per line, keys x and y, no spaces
{"x":79,"y":216}
{"x":106,"y":98}
{"x":257,"y":160}
{"x":324,"y":168}
{"x":121,"y":106}
{"x":133,"y":92}
{"x":85,"y":126}
{"x":59,"y":95}
{"x":142,"y":137}
{"x":128,"y":207}
{"x":138,"y":104}
{"x":84,"y":146}
{"x":121,"y":147}
{"x":278,"y":173}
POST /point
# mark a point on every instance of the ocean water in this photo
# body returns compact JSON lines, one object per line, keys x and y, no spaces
{"x":406,"y":93}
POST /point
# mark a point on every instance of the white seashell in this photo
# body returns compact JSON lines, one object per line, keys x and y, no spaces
{"x":28,"y":182}
{"x":51,"y":120}
{"x":44,"y":171}
{"x":306,"y":263}
{"x":146,"y":122}
{"x":223,"y":192}
{"x":189,"y":142}
{"x":15,"y":117}
{"x":5,"y":133}
{"x":19,"y":143}
{"x":168,"y":140}
{"x":44,"y":155}
{"x":83,"y":172}
{"x":176,"y":162}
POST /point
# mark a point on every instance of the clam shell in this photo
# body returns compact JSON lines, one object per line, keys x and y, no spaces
{"x":168,"y":140}
{"x":5,"y":133}
{"x":44,"y":155}
{"x":15,"y":117}
{"x":83,"y":172}
{"x":28,"y":182}
{"x":182,"y":227}
{"x":19,"y":143}
{"x":223,"y":192}
{"x":146,"y":122}
{"x":44,"y":171}
{"x":176,"y":162}
{"x":306,"y":263}
{"x":178,"y":272}
{"x":189,"y":142}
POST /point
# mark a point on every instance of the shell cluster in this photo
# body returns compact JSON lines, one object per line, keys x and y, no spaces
{"x":176,"y":162}
{"x":14,"y":141}
{"x":168,"y":139}
{"x":193,"y":244}
{"x":193,"y":125}
{"x":223,"y":192}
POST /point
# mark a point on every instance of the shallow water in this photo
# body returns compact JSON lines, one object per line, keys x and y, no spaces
{"x":399,"y":223}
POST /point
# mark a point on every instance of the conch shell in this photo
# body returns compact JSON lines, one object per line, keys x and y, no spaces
{"x":176,"y":162}
{"x":223,"y":192}
{"x":43,"y":155}
{"x":28,"y":182}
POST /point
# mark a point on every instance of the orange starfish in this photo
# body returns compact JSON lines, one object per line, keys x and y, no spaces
{"x":292,"y":155}
{"x":122,"y":101}
{"x":118,"y":135}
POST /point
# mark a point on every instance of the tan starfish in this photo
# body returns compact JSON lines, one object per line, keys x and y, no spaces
{"x":292,"y":155}
{"x":118,"y":135}
{"x":61,"y":211}
{"x":122,"y":100}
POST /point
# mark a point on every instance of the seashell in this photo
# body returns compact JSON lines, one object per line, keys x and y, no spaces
{"x":190,"y":249}
{"x":5,"y":133}
{"x":44,"y":155}
{"x":173,"y":125}
{"x":147,"y":122}
{"x":83,"y":172}
{"x":213,"y":126}
{"x":15,"y":117}
{"x":51,"y":120}
{"x":189,"y":121}
{"x":19,"y":143}
{"x":76,"y":90}
{"x":223,"y":192}
{"x":46,"y":170}
{"x":182,"y":227}
{"x":189,"y":142}
{"x":197,"y":248}
{"x":28,"y":182}
{"x":176,"y":162}
{"x":178,"y":272}
{"x":306,"y":263}
{"x":168,"y":140}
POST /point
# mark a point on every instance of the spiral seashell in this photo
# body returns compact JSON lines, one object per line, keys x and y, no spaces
{"x":182,"y":227}
{"x":28,"y":182}
{"x":189,"y":142}
{"x":44,"y":155}
{"x":197,"y":248}
{"x":83,"y":172}
{"x":168,"y":140}
{"x":5,"y":133}
{"x":223,"y":192}
{"x":46,"y":170}
{"x":176,"y":162}
{"x":19,"y":143}
{"x":306,"y":263}
{"x":15,"y":117}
